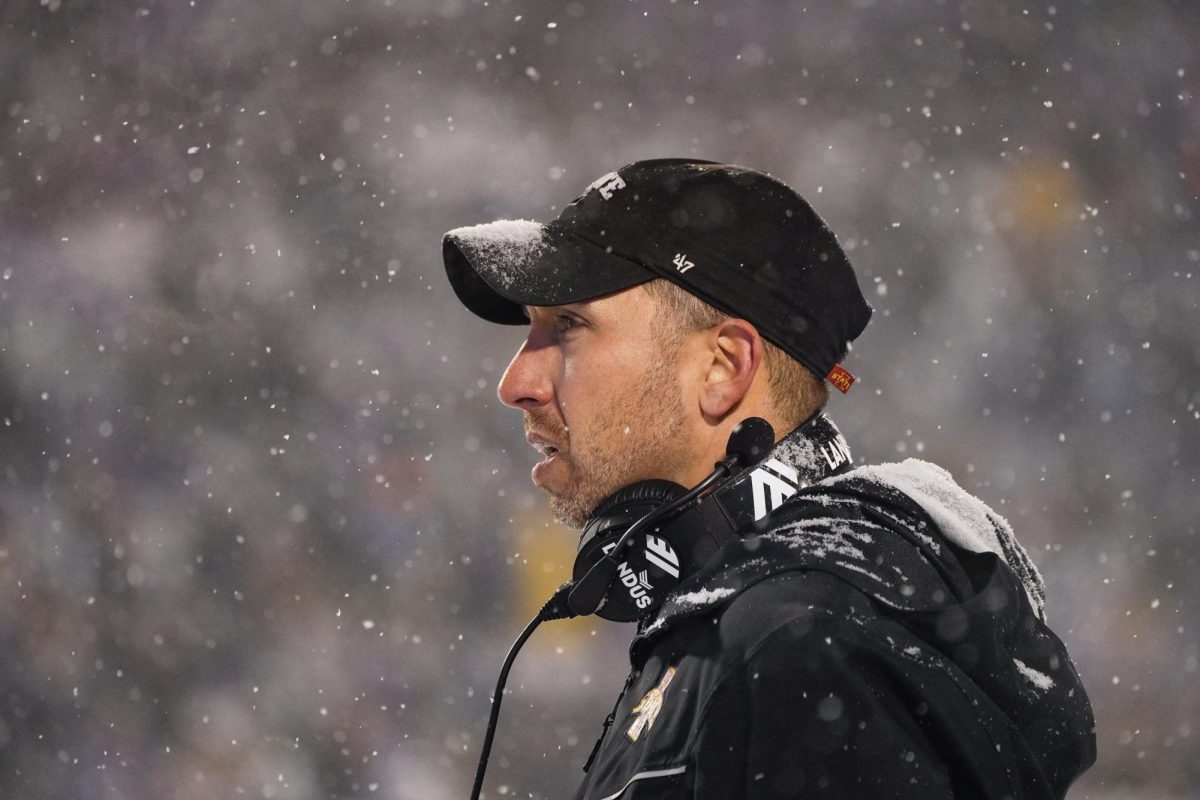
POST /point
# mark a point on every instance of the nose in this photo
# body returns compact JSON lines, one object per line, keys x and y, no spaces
{"x":527,"y":382}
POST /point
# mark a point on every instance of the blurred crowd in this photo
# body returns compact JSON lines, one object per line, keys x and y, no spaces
{"x":266,"y":531}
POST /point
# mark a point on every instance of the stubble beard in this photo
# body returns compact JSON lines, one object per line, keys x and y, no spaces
{"x":628,"y":440}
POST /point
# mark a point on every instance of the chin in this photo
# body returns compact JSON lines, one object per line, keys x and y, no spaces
{"x":569,"y":511}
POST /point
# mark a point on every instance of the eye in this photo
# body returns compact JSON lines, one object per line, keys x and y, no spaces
{"x":567,"y":322}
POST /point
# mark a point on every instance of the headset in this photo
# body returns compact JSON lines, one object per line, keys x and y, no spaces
{"x":637,"y":545}
{"x":645,"y":538}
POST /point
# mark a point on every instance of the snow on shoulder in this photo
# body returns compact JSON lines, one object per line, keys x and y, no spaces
{"x":963,"y":519}
{"x":703,"y":597}
{"x":1039,"y":679}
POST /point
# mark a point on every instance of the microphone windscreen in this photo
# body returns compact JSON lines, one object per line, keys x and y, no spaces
{"x":750,"y":441}
{"x":587,"y":594}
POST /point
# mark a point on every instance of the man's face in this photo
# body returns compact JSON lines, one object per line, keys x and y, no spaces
{"x":602,"y":397}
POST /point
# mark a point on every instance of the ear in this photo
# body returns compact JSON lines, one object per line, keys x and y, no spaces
{"x":736,"y":352}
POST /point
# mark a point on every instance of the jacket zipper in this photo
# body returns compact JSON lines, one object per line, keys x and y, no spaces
{"x":608,"y":721}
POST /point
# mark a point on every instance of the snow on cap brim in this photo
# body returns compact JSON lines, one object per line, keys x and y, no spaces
{"x":498,"y":267}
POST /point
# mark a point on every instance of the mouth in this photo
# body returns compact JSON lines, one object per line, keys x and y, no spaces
{"x":542,"y":444}
{"x":546,"y":449}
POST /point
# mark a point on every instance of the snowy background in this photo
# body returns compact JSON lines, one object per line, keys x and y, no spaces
{"x":265,"y":530}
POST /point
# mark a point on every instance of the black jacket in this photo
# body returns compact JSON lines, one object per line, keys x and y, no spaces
{"x":870,"y":639}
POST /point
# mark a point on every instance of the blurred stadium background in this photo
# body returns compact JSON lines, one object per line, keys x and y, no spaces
{"x":265,"y":530}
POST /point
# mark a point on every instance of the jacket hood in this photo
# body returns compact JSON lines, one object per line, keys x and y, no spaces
{"x":962,"y":519}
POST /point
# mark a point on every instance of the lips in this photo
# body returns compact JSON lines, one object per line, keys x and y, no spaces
{"x":549,"y":452}
{"x":542,"y":444}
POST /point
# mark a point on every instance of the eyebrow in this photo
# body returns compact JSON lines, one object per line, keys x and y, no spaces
{"x":579,"y":307}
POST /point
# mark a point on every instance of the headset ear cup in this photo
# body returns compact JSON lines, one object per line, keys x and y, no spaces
{"x":629,"y":597}
{"x":626,"y":506}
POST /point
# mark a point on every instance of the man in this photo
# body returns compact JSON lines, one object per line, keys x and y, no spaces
{"x":835,"y":631}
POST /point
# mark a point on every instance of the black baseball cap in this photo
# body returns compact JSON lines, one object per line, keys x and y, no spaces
{"x":736,"y":238}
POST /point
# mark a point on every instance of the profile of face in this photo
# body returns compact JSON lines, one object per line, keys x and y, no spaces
{"x":602,"y":396}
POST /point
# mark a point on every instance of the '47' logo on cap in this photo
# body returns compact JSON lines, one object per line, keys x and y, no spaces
{"x":649,"y":706}
{"x":607,"y":184}
{"x":681,"y":263}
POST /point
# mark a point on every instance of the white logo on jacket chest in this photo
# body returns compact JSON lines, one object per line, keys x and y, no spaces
{"x":649,"y":706}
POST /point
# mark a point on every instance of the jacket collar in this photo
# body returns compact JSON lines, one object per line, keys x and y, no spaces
{"x":809,"y":454}
{"x":814,"y":451}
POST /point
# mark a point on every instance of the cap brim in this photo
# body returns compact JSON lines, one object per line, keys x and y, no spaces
{"x":498,"y":268}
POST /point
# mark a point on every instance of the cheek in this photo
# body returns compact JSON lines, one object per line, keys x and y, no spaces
{"x":600,"y":387}
{"x":587,"y":400}
{"x":583,"y":379}
{"x":565,"y":390}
